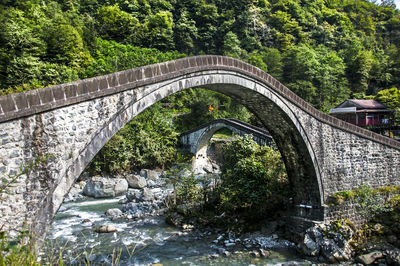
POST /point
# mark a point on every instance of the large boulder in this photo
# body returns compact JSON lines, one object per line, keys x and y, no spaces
{"x":103,"y":187}
{"x":134,"y":195}
{"x":147,"y":195}
{"x":329,"y":241}
{"x":136,"y":181}
{"x":311,"y":242}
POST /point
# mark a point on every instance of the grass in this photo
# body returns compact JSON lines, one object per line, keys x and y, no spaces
{"x":223,"y":133}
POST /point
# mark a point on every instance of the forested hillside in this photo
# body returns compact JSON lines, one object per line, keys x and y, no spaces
{"x":325,"y":51}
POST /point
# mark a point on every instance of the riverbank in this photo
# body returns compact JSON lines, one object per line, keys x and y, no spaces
{"x":149,"y":240}
{"x":139,"y":230}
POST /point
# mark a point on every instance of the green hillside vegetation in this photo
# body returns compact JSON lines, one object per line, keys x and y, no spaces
{"x":325,"y":51}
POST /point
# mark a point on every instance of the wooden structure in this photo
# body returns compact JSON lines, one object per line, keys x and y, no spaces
{"x":364,"y":113}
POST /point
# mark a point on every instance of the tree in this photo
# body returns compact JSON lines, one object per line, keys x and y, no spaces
{"x":149,"y":140}
{"x":206,"y":18}
{"x":231,"y":46}
{"x":253,"y":178}
{"x":115,"y":24}
{"x":390,"y":98}
{"x":65,"y":45}
{"x":160,"y":30}
{"x":185,"y":33}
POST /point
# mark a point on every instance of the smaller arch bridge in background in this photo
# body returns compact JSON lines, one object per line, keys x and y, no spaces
{"x":197,"y":139}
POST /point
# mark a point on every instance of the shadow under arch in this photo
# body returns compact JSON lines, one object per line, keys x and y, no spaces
{"x":272,"y":110}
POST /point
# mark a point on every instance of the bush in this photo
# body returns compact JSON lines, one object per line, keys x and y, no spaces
{"x":254,"y":179}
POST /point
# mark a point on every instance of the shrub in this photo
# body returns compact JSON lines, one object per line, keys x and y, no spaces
{"x":254,"y":179}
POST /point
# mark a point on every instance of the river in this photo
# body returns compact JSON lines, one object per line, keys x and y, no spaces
{"x":150,"y":241}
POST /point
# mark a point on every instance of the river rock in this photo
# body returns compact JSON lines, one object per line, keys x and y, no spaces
{"x":255,"y":254}
{"x":75,"y":193}
{"x":134,"y":195}
{"x":113,"y":212}
{"x":326,"y":240}
{"x":138,"y":195}
{"x":136,"y":181}
{"x":393,"y":257}
{"x":264,"y":253}
{"x":102,"y":187}
{"x":369,"y":258}
{"x":174,"y":219}
{"x":108,"y":228}
{"x":147,"y":195}
{"x":311,"y":242}
{"x":150,"y":174}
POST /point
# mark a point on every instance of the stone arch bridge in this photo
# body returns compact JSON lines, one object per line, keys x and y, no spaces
{"x":197,"y":139}
{"x":73,"y":121}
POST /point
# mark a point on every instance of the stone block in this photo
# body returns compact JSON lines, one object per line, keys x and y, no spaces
{"x":93,"y":85}
{"x":46,"y":95}
{"x":21,"y":101}
{"x":112,"y":80}
{"x":164,"y":68}
{"x":138,"y":73}
{"x":103,"y":84}
{"x":70,"y":90}
{"x":58,"y":92}
{"x":122,"y":79}
{"x":192,"y":61}
{"x":148,"y":72}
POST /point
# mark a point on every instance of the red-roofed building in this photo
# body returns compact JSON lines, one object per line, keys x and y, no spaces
{"x":364,"y":113}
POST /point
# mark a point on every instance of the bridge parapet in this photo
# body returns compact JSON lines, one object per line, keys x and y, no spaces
{"x":45,"y":99}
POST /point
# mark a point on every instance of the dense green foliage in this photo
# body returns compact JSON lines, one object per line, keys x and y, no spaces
{"x":149,"y":140}
{"x":253,"y":178}
{"x":325,"y":51}
{"x":390,"y":98}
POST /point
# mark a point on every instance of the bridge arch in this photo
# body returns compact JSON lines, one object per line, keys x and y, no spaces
{"x":197,"y":139}
{"x":82,"y":116}
{"x":299,"y":157}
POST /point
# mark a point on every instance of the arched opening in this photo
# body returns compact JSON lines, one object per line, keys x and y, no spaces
{"x":273,"y":111}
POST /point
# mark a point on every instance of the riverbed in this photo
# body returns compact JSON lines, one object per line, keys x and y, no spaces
{"x":150,"y":241}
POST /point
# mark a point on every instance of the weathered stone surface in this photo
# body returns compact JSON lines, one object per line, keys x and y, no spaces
{"x":103,"y":187}
{"x":369,"y":258}
{"x":134,"y":195}
{"x":326,"y":155}
{"x":136,"y":181}
{"x":113,"y":212}
{"x":326,"y":240}
{"x":150,"y":174}
{"x":147,"y":195}
{"x":310,"y":245}
{"x":137,"y":195}
{"x":109,"y":228}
